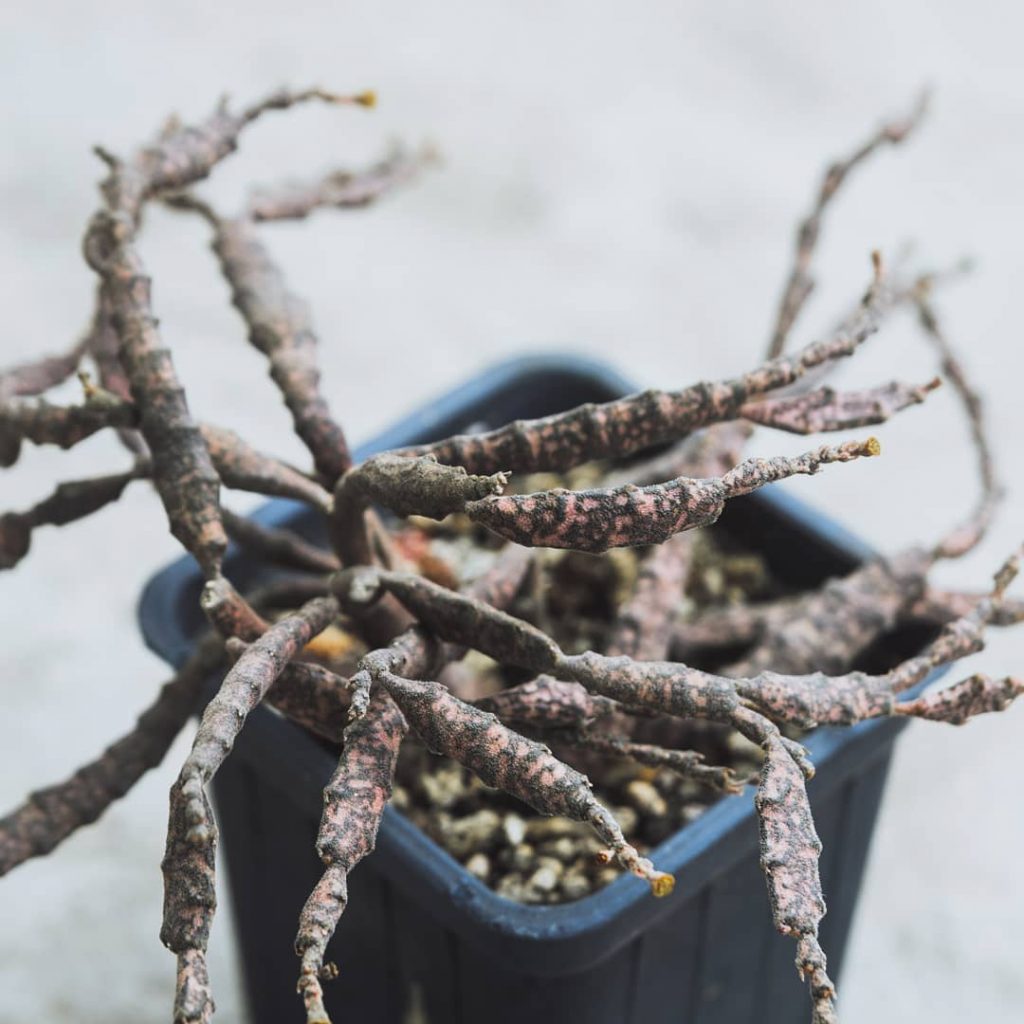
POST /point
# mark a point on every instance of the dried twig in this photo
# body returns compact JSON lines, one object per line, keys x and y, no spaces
{"x":38,"y":375}
{"x":339,"y":190}
{"x":968,"y":535}
{"x":800,"y":283}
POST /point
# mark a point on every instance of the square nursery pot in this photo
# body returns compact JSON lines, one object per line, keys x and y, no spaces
{"x":420,"y":931}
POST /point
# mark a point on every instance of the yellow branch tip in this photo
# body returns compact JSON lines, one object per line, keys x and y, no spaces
{"x":872,"y":446}
{"x":367,"y":99}
{"x":662,"y":884}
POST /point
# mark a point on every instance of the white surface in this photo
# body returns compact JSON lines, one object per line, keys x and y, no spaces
{"x":618,"y":182}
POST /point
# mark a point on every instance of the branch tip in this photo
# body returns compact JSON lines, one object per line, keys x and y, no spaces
{"x":662,"y":884}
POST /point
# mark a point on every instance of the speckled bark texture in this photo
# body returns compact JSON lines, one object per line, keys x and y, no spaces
{"x":628,"y":425}
{"x":661,"y":686}
{"x":645,"y":470}
{"x":548,"y":703}
{"x":826,"y":629}
{"x":182,"y":472}
{"x":188,"y":865}
{"x":710,"y":452}
{"x":182,"y":155}
{"x":790,"y":848}
{"x":280,"y":327}
{"x":941,"y":606}
{"x":957,"y":704}
{"x":355,"y":797}
{"x":228,"y":612}
{"x":827,"y":410}
{"x":514,"y":764}
{"x":642,"y":625}
{"x":50,"y":815}
{"x":457,"y":618}
{"x":687,"y":763}
{"x":406,"y":486}
{"x":829,"y":628}
{"x":818,"y":699}
{"x":631,"y":516}
{"x":354,"y":801}
{"x":312,"y":696}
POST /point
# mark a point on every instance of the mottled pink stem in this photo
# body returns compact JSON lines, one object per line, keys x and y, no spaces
{"x":628,"y":425}
{"x":603,"y":518}
{"x":407,"y":486}
{"x":354,"y":801}
{"x":825,"y":410}
{"x":188,"y":865}
{"x":790,"y":849}
{"x":514,"y":764}
{"x":548,"y":703}
{"x":687,"y":763}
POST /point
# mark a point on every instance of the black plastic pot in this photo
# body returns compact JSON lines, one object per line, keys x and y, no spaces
{"x":420,"y":930}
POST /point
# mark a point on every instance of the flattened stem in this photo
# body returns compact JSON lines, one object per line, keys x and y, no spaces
{"x":790,"y":849}
{"x":514,"y":764}
{"x":407,"y":486}
{"x":826,"y":629}
{"x":602,"y":518}
{"x":188,"y":864}
{"x":628,"y":425}
{"x":354,"y":801}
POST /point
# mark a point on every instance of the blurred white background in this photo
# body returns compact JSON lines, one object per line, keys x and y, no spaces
{"x":617,"y":182}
